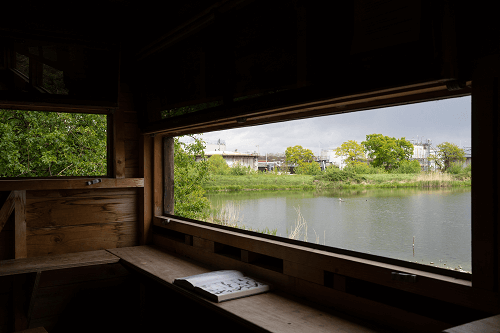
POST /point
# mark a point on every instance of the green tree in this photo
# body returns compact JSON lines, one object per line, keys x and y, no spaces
{"x":218,"y":165}
{"x":351,"y":151}
{"x":298,"y":155}
{"x":387,"y":152}
{"x":44,"y":144}
{"x":447,"y":154}
{"x":189,"y":199}
{"x":308,"y":168}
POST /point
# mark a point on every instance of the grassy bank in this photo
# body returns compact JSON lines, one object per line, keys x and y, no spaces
{"x":306,"y":182}
{"x":260,"y":182}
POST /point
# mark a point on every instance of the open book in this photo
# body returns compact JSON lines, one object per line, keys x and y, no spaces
{"x":221,"y":286}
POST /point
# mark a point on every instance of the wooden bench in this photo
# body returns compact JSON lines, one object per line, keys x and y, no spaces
{"x":42,"y":286}
{"x":275,"y":311}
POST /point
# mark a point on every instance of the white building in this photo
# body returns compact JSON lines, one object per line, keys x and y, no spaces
{"x":234,"y":157}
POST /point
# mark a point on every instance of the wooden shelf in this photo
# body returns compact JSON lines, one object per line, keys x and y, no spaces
{"x":69,"y":184}
{"x":275,"y":311}
{"x":51,"y":262}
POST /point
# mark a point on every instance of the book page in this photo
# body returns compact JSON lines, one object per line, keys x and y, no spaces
{"x":235,"y":285}
{"x":209,"y":278}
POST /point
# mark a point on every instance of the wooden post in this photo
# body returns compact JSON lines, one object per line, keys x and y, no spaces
{"x":20,"y":250}
{"x":168,"y":175}
{"x":485,"y":196}
{"x":157,"y":176}
{"x":6,"y":209}
{"x":119,"y":144}
{"x":146,"y":193}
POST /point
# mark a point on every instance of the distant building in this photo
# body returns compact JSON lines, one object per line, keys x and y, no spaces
{"x":215,"y":147}
{"x":234,"y":157}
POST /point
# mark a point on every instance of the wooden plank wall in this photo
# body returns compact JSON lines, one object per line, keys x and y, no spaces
{"x":66,"y":221}
{"x":73,"y":220}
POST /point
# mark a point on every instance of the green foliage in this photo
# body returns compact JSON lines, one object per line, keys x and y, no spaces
{"x":310,"y":168}
{"x":361,"y":168}
{"x":352,"y":152}
{"x":189,"y":199}
{"x":218,"y":165}
{"x":408,"y":167}
{"x":334,"y":174}
{"x":298,"y":155}
{"x":459,"y":171}
{"x":387,"y":152}
{"x":447,"y":154}
{"x":239,"y":170}
{"x":44,"y":144}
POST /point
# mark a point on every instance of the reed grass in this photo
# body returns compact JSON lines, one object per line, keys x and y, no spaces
{"x":229,"y":215}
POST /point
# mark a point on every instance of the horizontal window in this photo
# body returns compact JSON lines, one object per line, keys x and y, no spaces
{"x":379,"y":182}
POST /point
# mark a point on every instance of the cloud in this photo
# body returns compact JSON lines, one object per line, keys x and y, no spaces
{"x":440,"y":121}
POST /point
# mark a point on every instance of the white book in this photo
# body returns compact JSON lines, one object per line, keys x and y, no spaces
{"x":221,"y":286}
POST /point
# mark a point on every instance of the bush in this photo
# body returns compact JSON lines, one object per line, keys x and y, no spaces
{"x":334,"y":174}
{"x":217,"y":165}
{"x":239,"y":170}
{"x":311,"y":168}
{"x":459,"y":172}
{"x":361,"y":168}
{"x":408,"y":167}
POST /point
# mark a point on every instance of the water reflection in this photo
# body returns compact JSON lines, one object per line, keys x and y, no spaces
{"x":379,"y":221}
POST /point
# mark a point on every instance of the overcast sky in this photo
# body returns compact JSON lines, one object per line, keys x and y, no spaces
{"x":444,"y":120}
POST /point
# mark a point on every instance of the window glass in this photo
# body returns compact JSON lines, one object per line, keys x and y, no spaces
{"x":51,"y":144}
{"x":374,"y":181}
{"x":23,"y":64}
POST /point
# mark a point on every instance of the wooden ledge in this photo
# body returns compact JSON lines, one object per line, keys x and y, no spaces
{"x":69,"y":184}
{"x":275,"y":311}
{"x":51,"y":262}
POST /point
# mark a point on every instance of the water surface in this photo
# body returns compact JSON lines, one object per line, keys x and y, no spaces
{"x":382,"y":222}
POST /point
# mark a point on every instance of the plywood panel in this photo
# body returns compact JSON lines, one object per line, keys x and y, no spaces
{"x":50,"y":212}
{"x":70,"y":239}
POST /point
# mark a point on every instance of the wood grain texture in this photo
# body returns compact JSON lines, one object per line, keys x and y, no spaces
{"x":274,"y":311}
{"x":61,"y":184}
{"x":46,"y":263}
{"x":6,"y":209}
{"x":145,"y":195}
{"x":43,"y":212}
{"x":90,"y":237}
{"x":20,"y":249}
{"x":429,"y":284}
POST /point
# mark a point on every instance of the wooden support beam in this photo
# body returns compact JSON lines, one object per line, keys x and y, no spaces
{"x":168,"y":175}
{"x":157,"y":176}
{"x":146,"y":193}
{"x":118,"y":145}
{"x":18,"y":303}
{"x":485,"y":197}
{"x":20,"y":249}
{"x":34,"y":293}
{"x":6,"y":210}
{"x":305,"y":102}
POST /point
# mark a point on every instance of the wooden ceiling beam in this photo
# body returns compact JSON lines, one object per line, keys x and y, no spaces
{"x":275,"y":108}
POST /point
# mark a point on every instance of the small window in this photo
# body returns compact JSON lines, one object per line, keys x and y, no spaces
{"x":23,"y":64}
{"x":52,"y":144}
{"x":53,"y":81}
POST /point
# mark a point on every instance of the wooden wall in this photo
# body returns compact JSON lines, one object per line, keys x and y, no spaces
{"x":67,"y":218}
{"x":66,"y":221}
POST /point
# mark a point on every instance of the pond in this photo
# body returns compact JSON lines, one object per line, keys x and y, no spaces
{"x":424,"y":226}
